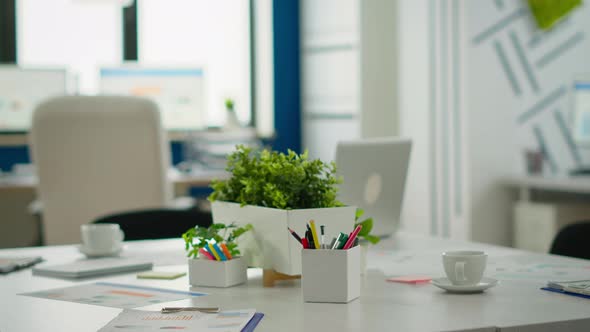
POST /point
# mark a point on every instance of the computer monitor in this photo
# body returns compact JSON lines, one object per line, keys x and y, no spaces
{"x":581,"y":107}
{"x":21,"y":89}
{"x":179,"y":92}
{"x":374,"y":178}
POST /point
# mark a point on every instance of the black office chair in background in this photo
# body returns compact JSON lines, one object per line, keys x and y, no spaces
{"x":573,"y":240}
{"x":157,"y":223}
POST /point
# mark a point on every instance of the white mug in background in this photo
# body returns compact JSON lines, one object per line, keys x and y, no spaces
{"x":464,"y":267}
{"x":101,"y":238}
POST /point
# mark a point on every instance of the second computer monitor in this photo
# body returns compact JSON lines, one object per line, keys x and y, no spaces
{"x":178,"y":92}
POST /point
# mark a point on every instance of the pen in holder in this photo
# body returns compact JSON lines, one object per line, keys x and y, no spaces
{"x":330,"y":275}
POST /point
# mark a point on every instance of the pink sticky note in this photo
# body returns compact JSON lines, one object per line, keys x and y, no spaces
{"x":410,"y":279}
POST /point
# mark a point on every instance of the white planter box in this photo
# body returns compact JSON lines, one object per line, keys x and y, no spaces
{"x":208,"y":273}
{"x":272,"y":246}
{"x":331,"y":275}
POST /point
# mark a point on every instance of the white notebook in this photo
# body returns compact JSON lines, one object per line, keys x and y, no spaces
{"x":93,"y":267}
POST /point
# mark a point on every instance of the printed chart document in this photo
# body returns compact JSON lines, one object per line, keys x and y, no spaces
{"x":140,"y":320}
{"x":114,"y":295}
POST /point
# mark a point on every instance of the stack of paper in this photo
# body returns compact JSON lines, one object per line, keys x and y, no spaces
{"x":579,"y":288}
{"x":93,"y":267}
{"x":227,"y":321}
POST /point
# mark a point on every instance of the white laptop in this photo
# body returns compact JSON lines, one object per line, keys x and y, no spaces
{"x":374,"y":173}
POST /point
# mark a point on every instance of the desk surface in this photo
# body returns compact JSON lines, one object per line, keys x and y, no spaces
{"x":383,"y":306}
{"x":197,"y":178}
{"x":579,"y":184}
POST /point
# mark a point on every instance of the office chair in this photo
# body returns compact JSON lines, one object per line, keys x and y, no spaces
{"x":572,"y":240}
{"x":97,"y":156}
{"x":157,"y":223}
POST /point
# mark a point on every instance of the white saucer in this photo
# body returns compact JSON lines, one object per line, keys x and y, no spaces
{"x":446,"y":284}
{"x":92,"y":254}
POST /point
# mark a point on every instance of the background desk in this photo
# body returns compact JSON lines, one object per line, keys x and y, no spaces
{"x":19,"y":227}
{"x":546,"y":204}
{"x":516,"y":304}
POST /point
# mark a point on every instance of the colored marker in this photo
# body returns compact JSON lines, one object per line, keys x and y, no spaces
{"x":206,"y":254}
{"x":352,"y":237}
{"x":342,"y":242}
{"x":323,"y":246}
{"x":294,"y":234}
{"x":212,"y":251}
{"x":314,"y":233}
{"x":220,"y":252}
{"x":310,"y":244}
{"x":225,"y":251}
{"x":337,"y":241}
{"x":304,"y":243}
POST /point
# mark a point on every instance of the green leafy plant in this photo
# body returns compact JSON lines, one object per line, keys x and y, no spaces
{"x":198,"y":237}
{"x":277,"y":180}
{"x":229,"y":104}
{"x":367,"y":227}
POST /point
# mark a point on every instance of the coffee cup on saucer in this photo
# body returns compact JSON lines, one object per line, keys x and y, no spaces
{"x":101,"y":239}
{"x":464,"y":268}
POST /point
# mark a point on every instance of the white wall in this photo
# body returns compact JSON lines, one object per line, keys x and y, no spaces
{"x":498,"y":134}
{"x":468,"y":122}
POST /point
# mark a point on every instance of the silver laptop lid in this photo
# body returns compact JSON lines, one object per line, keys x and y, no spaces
{"x":374,"y":173}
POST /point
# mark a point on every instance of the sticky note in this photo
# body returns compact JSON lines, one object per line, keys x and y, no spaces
{"x":160,"y":275}
{"x":410,"y":279}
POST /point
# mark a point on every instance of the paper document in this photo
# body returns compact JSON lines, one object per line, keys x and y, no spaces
{"x":140,"y":320}
{"x":93,"y":267}
{"x":114,"y":295}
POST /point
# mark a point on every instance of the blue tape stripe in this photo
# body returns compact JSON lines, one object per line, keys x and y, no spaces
{"x":567,"y":135}
{"x":117,"y":72}
{"x":498,"y":26}
{"x":543,"y":146}
{"x":507,"y":68}
{"x":560,"y":49}
{"x":432,"y":119}
{"x":524,"y":61}
{"x":161,"y":290}
{"x":541,"y":105}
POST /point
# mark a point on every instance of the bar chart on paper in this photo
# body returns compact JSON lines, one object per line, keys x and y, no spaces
{"x":114,"y":295}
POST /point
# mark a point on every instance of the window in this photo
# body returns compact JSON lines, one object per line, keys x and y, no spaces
{"x":213,"y":35}
{"x":80,"y":35}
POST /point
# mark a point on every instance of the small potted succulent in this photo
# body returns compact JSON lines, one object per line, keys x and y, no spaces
{"x":274,"y":191}
{"x":214,"y":257}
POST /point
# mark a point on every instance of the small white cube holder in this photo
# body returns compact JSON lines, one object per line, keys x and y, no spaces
{"x":208,"y":273}
{"x":330,"y":275}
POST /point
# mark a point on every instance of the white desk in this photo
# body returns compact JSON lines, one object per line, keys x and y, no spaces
{"x":383,"y":306}
{"x":558,"y":201}
{"x":198,"y":178}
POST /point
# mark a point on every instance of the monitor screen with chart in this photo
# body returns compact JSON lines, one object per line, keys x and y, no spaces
{"x":179,"y":92}
{"x":581,"y":107}
{"x":21,"y":89}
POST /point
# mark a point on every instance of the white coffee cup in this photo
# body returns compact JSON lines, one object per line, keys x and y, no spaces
{"x":464,"y":267}
{"x":101,"y":238}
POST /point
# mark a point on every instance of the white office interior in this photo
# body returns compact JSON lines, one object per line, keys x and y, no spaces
{"x":479,"y":111}
{"x":474,"y":85}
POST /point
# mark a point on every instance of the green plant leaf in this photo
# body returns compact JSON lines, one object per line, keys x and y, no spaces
{"x":278,"y":180}
{"x":372,"y":239}
{"x":198,"y":237}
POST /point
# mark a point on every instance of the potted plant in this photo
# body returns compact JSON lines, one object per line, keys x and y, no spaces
{"x":273,"y":191}
{"x":365,"y":236}
{"x":214,"y":257}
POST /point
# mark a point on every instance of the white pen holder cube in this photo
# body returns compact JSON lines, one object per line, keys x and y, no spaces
{"x":330,"y":275}
{"x":208,"y":273}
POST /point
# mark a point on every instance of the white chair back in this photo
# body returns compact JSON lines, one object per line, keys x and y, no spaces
{"x":96,"y":156}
